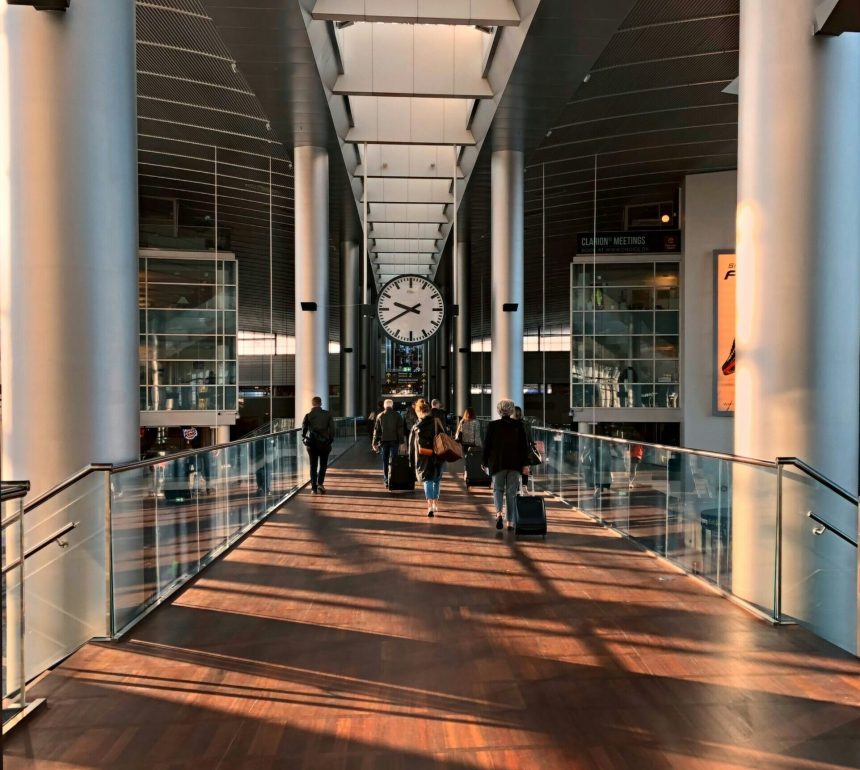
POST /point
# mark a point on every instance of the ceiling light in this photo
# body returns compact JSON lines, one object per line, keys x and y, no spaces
{"x":665,"y":219}
{"x":586,"y":78}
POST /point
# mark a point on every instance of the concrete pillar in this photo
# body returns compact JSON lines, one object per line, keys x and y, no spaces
{"x":311,"y":265}
{"x":364,"y":396}
{"x":506,"y":191}
{"x":68,"y":291}
{"x":463,"y":329}
{"x":798,"y":318}
{"x":443,"y":357}
{"x":350,"y":282}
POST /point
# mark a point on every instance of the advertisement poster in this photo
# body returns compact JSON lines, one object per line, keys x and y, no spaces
{"x":724,"y":365}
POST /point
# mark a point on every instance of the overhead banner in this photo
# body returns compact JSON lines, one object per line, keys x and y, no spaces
{"x":725,"y":304}
{"x":629,"y":242}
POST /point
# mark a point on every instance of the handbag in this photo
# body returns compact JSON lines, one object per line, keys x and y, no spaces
{"x":444,"y":447}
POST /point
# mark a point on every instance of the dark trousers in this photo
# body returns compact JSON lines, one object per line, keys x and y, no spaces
{"x":388,"y":450}
{"x":319,"y":463}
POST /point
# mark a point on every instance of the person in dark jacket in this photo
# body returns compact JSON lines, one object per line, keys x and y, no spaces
{"x":428,"y":467}
{"x":318,"y":436}
{"x":505,"y":457}
{"x":388,"y":436}
{"x":439,"y":413}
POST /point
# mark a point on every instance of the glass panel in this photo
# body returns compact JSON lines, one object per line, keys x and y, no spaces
{"x":189,"y":297}
{"x":666,"y":322}
{"x":189,"y":348}
{"x":185,"y":322}
{"x":819,"y":569}
{"x":181,"y":271}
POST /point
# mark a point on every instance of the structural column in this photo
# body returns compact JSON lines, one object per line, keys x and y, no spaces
{"x":311,"y":265}
{"x":68,"y":290}
{"x":68,"y":239}
{"x":350,"y":292}
{"x":798,"y":318}
{"x":463,"y":329}
{"x":506,"y":190}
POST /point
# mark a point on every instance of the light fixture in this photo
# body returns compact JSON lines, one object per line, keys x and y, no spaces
{"x":586,"y":78}
{"x":665,"y":219}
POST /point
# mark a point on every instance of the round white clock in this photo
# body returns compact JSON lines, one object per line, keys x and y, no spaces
{"x":410,"y":309}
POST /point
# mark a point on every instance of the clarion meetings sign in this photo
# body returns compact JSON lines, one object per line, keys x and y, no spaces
{"x":629,"y":242}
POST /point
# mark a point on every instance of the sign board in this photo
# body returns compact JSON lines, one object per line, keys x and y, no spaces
{"x":189,"y":434}
{"x":725,"y":304}
{"x":629,"y":242}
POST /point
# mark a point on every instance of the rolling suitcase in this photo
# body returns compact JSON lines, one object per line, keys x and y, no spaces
{"x":475,"y":474}
{"x":531,"y":515}
{"x":401,"y":475}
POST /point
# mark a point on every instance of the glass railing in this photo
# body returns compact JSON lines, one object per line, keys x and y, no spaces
{"x":171,"y":517}
{"x":749,"y":527}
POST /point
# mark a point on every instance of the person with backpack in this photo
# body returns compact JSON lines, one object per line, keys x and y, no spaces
{"x":428,"y":467}
{"x":318,"y":436}
{"x":388,"y":435}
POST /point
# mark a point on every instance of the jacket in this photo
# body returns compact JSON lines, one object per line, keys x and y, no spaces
{"x":469,"y":433}
{"x":427,"y":467}
{"x":505,"y":446}
{"x":442,"y":416}
{"x":320,"y":422}
{"x":388,"y":427}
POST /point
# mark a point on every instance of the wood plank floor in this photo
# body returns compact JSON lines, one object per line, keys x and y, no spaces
{"x":351,"y":632}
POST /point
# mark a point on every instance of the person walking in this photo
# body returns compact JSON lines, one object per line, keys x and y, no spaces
{"x":505,"y":457}
{"x":428,"y":467}
{"x":468,"y":430}
{"x":388,"y":435}
{"x":410,"y":418}
{"x":439,"y":413}
{"x":318,"y":436}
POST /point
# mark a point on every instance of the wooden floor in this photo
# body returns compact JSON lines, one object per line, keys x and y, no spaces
{"x":352,"y":632}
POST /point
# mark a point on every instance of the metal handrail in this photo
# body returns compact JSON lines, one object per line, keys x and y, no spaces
{"x":819,"y":477}
{"x":192,"y":452}
{"x":830,"y":528}
{"x":12,"y":490}
{"x":55,"y":538}
{"x":679,"y":450}
{"x":63,"y":485}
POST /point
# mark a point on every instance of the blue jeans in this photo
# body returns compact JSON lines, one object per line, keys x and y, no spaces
{"x":506,"y":484}
{"x":388,"y":450}
{"x":431,"y":485}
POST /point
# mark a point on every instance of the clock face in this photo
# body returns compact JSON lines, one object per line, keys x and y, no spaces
{"x":410,"y":309}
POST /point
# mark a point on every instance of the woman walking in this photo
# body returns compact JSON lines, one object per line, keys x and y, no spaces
{"x":505,"y":457}
{"x":428,"y":467}
{"x":469,"y":430}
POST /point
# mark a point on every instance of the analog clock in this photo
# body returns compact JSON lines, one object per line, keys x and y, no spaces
{"x":410,"y":309}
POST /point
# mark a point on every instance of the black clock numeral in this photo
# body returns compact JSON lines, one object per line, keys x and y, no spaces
{"x":410,"y":336}
{"x":382,"y":309}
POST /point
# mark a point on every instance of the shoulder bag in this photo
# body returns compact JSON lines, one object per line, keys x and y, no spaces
{"x":444,"y":447}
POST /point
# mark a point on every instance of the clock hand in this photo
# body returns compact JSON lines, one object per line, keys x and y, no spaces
{"x":413,"y":309}
{"x":400,"y":315}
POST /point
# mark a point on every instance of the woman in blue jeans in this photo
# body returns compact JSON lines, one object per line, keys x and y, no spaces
{"x":428,"y":467}
{"x":505,"y":456}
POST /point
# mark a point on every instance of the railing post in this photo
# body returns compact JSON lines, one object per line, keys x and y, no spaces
{"x":108,"y":555}
{"x":22,"y":676}
{"x":777,"y":556}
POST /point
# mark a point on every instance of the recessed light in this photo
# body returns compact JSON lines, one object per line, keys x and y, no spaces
{"x":586,"y":78}
{"x":665,"y":219}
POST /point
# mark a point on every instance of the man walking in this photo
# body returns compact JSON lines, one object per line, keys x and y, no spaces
{"x":388,"y":435}
{"x":318,"y":436}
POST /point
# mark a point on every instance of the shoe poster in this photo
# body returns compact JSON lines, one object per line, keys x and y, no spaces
{"x":724,"y":324}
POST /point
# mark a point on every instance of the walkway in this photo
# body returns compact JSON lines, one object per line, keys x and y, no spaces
{"x":350,"y":631}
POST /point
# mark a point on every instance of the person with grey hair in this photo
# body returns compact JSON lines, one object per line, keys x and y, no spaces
{"x":388,"y":435}
{"x":505,"y":458}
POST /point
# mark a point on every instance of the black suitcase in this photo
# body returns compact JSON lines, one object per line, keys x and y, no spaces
{"x":475,"y":474}
{"x":531,"y":515}
{"x":401,"y":475}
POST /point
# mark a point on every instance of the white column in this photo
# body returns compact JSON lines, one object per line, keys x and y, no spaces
{"x":311,"y":265}
{"x":68,"y":289}
{"x":798,"y":324}
{"x":349,"y":325}
{"x":463,"y":329}
{"x":506,"y":190}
